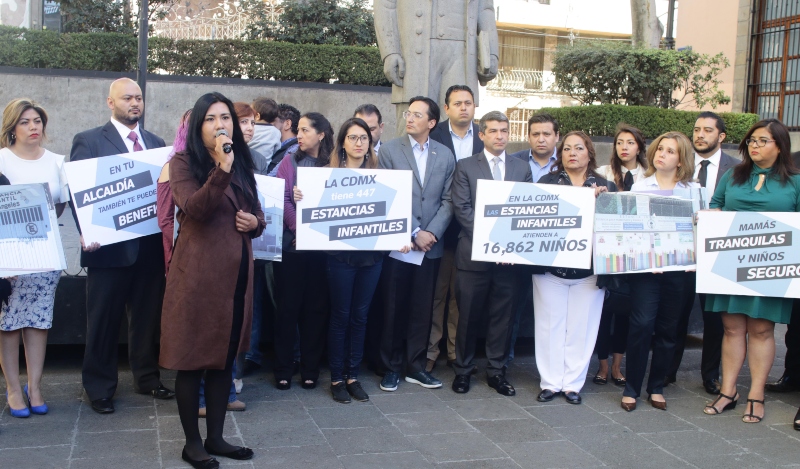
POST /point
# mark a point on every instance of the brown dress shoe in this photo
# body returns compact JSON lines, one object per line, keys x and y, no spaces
{"x":628,"y":406}
{"x":660,"y":405}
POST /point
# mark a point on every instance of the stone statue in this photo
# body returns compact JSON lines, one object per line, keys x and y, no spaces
{"x":429,"y":45}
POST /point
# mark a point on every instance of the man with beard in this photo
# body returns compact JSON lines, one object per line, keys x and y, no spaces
{"x":127,"y":275}
{"x":710,"y":164}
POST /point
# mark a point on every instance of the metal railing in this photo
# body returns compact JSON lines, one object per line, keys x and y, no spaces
{"x":522,"y":81}
{"x":227,"y":20}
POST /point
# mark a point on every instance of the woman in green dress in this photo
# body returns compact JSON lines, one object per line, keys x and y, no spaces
{"x":766,"y":181}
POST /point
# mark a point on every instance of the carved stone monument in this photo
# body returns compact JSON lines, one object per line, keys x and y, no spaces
{"x":429,"y":45}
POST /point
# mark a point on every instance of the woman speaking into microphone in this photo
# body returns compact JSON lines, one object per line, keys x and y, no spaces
{"x":208,"y":303}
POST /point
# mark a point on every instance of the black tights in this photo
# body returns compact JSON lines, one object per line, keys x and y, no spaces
{"x":187,"y":394}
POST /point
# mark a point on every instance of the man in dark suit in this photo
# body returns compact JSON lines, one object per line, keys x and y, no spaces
{"x":710,"y":164}
{"x":408,"y":288}
{"x":123,"y":275}
{"x":790,"y":380}
{"x":460,"y":134}
{"x":484,"y":288}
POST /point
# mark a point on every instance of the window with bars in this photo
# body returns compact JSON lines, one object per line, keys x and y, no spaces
{"x":774,"y":88}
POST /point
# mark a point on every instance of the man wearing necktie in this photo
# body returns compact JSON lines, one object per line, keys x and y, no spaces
{"x":408,"y":288}
{"x":484,"y":288}
{"x":710,"y":164}
{"x":120,"y":277}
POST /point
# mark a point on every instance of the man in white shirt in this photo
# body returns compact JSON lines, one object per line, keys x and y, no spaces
{"x":460,"y":134}
{"x":370,"y":114}
{"x":710,"y":163}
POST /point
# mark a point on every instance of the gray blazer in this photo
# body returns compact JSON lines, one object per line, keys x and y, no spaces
{"x":431,"y":207}
{"x":465,"y":184}
{"x":726,"y":162}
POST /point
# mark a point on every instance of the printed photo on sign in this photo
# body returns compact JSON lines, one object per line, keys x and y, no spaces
{"x":270,"y":195}
{"x":646,"y":231}
{"x":353,"y":209}
{"x":749,"y":253}
{"x":115,"y":196}
{"x":29,"y":238}
{"x":534,"y":224}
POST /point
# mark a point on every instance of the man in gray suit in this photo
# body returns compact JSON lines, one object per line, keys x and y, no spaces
{"x":710,"y":163}
{"x":484,"y":288}
{"x":408,"y":288}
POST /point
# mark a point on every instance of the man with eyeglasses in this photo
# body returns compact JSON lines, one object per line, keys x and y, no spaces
{"x":460,"y":134}
{"x":710,"y":163}
{"x":408,"y":288}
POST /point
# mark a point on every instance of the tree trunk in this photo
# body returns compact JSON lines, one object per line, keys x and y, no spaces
{"x":646,"y":29}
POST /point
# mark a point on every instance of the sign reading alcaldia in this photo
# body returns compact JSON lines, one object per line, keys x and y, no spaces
{"x":353,"y":209}
{"x":534,"y":224}
{"x":749,"y":253}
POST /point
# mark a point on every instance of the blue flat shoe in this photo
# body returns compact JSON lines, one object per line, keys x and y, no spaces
{"x":18,"y":413}
{"x":36,"y":409}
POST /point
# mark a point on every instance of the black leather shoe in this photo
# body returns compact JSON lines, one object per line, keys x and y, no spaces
{"x":461,"y":384}
{"x":241,"y":453}
{"x":572,"y":397}
{"x":712,"y":386}
{"x":162,"y":393}
{"x":209,"y":463}
{"x":103,"y":406}
{"x":785,"y":384}
{"x":547,"y":395}
{"x":500,"y":384}
{"x":796,"y":423}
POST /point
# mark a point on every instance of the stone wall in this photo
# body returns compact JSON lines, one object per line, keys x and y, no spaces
{"x":76,"y":100}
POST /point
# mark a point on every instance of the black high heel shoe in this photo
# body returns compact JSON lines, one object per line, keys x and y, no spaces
{"x":209,"y":463}
{"x":729,"y":406}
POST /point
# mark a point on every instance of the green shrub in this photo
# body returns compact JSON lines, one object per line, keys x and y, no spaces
{"x":230,"y":58}
{"x":601,"y":120}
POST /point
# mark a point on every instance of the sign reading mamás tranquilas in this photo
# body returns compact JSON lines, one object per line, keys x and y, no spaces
{"x":749,"y":253}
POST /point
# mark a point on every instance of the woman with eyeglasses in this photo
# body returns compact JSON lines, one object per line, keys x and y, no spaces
{"x":352,"y":276}
{"x":766,"y":181}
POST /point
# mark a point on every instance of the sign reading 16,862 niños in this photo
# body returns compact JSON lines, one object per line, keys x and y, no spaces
{"x":353,"y":209}
{"x":536,"y":224}
{"x":749,"y":253}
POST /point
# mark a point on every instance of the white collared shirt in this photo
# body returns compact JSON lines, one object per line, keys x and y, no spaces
{"x":462,"y":146}
{"x":490,"y":157}
{"x":651,"y":184}
{"x":125,"y":131}
{"x":377,"y":147}
{"x":537,"y":170}
{"x":712,"y":170}
{"x":421,"y":156}
{"x":608,"y":173}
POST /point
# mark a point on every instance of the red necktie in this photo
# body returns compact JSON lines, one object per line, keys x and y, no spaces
{"x":135,"y":138}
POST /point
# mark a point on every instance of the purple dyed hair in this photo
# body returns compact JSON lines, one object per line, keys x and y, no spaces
{"x":179,"y":144}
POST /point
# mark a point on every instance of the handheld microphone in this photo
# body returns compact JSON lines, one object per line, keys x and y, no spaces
{"x":226,"y":147}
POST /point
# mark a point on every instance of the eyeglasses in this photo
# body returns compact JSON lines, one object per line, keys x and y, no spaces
{"x":358,"y":138}
{"x":760,"y":142}
{"x":417,"y":115}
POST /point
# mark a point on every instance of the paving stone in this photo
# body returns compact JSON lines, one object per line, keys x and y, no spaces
{"x":502,"y":463}
{"x":606,"y":442}
{"x":297,"y":457}
{"x":488,"y":409}
{"x":286,"y":433}
{"x":273,"y":411}
{"x":550,"y":454}
{"x":779,"y":448}
{"x":366,"y":440}
{"x":646,"y":419}
{"x":126,"y":418}
{"x":568,"y":415}
{"x":456,"y":447}
{"x":401,"y":460}
{"x":515,"y":431}
{"x":427,"y":423}
{"x":34,"y":434}
{"x":390,"y":403}
{"x":117,"y":445}
{"x":51,"y":456}
{"x":348,"y":416}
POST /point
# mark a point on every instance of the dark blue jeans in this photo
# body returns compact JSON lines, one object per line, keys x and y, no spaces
{"x":351,"y":290}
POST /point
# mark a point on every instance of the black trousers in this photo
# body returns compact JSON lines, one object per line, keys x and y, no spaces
{"x":407,"y":309}
{"x":491,"y":295}
{"x":793,"y":344}
{"x":712,"y":335}
{"x":657,"y":301}
{"x":302,"y":303}
{"x":612,"y":337}
{"x":110,"y":293}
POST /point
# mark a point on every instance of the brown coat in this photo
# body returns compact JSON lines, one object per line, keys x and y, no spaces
{"x":197,"y":316}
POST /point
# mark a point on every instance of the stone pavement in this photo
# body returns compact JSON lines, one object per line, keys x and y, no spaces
{"x":410,"y":428}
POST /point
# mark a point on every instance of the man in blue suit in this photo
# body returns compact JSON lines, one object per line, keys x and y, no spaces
{"x":121,"y":276}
